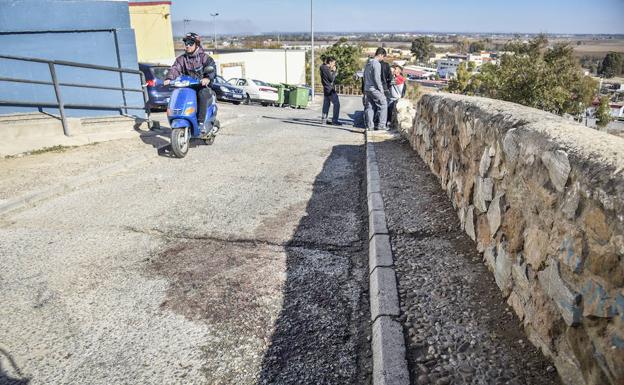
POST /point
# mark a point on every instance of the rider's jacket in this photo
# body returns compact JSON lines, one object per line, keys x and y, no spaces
{"x":195,"y":65}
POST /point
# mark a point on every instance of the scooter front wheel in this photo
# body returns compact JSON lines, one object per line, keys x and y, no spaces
{"x":180,"y":139}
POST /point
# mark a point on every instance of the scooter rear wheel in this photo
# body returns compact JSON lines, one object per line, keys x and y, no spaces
{"x":211,"y":138}
{"x":180,"y":140}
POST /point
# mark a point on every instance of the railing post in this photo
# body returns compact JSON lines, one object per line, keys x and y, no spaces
{"x":121,"y":77}
{"x":59,"y":99}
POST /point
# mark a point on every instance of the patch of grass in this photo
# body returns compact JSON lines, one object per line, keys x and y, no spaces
{"x":44,"y":150}
{"x":56,"y":149}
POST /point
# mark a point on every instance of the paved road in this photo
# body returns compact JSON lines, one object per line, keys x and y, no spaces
{"x":244,"y":263}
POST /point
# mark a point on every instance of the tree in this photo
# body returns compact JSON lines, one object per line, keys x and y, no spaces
{"x":603,"y":113}
{"x":476,"y":46}
{"x":548,"y":79}
{"x":460,"y":83}
{"x":347,"y":60}
{"x":612,"y":65}
{"x":462,"y":46}
{"x":422,"y":48}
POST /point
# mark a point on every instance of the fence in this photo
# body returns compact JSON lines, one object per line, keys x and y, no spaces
{"x":57,"y":89}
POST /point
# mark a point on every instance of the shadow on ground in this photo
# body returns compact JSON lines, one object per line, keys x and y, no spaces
{"x":283,"y":313}
{"x":320,"y":334}
{"x":159,"y":138}
{"x":348,"y":125}
{"x":6,"y":379}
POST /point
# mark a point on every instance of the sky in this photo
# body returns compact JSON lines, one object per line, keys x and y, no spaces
{"x":526,"y":16}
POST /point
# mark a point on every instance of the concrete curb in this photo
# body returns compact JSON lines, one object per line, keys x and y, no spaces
{"x":388,"y":344}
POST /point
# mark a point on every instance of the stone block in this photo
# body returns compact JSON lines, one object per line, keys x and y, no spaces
{"x":484,"y":164}
{"x":489,"y":256}
{"x":596,"y":301}
{"x":389,"y":363}
{"x":567,"y":301}
{"x":373,"y":186}
{"x":619,"y":304}
{"x":494,"y":213}
{"x":558,"y":167}
{"x":377,"y":223}
{"x":469,"y":225}
{"x":571,"y":201}
{"x":502,"y":271}
{"x":379,"y":252}
{"x":384,"y":298}
{"x":484,"y":188}
{"x":517,"y":303}
{"x":535,"y":246}
{"x":375,"y":202}
{"x":571,"y":252}
{"x":520,"y":280}
{"x":511,"y":145}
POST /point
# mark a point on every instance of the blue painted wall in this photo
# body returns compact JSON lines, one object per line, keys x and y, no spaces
{"x":79,"y":31}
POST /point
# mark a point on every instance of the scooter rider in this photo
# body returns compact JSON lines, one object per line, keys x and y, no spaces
{"x":195,"y":62}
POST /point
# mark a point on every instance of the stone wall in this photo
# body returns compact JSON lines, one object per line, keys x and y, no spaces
{"x":543,"y":198}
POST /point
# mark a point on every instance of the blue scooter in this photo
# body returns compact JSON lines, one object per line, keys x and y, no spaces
{"x":182,"y":115}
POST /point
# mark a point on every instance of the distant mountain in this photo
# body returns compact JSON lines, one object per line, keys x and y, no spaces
{"x":224,"y":27}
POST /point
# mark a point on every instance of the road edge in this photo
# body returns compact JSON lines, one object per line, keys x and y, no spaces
{"x":388,"y":343}
{"x":31,"y":198}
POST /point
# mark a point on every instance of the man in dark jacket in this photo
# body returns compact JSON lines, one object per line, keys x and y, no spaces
{"x":196,"y":63}
{"x":328,"y":77}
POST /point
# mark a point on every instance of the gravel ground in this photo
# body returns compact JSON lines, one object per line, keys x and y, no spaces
{"x":243,"y":263}
{"x":458,"y":328}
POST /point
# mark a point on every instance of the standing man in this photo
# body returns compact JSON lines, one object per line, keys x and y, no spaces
{"x":198,"y":64}
{"x":374,"y":90}
{"x":328,"y":77}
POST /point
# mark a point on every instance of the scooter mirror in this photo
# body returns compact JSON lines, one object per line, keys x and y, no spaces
{"x":210,"y":69}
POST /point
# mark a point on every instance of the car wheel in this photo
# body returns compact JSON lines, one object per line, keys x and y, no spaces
{"x":236,"y":103}
{"x":264,"y":104}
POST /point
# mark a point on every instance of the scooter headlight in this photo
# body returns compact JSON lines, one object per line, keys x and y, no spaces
{"x":183,"y":83}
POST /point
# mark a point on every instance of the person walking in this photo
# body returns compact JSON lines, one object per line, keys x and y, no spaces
{"x":374,"y":91}
{"x":330,"y":96}
{"x":397,"y":90}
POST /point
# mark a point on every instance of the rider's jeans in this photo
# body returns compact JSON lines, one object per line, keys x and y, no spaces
{"x":204,"y":95}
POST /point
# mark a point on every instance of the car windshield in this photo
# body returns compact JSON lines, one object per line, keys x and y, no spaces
{"x":219,"y":79}
{"x":160,"y":72}
{"x":260,"y":83}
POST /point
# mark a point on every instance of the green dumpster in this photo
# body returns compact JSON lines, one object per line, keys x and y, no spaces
{"x":287,"y":89}
{"x":282,"y":97}
{"x":298,"y":97}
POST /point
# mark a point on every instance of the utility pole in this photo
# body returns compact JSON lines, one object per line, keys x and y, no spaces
{"x":214,"y":27}
{"x":186,"y":21}
{"x":312,"y":66}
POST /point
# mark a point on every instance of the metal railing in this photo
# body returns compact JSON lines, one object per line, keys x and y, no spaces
{"x":57,"y":89}
{"x":354,"y":90}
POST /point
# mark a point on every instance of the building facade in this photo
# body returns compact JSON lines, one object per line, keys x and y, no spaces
{"x":93,"y":32}
{"x":151,"y":21}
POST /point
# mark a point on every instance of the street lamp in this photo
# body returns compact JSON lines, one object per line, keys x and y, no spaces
{"x":312,"y":69}
{"x":214,"y":26}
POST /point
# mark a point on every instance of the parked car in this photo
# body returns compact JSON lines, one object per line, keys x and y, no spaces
{"x":158,"y":93}
{"x":256,"y":90}
{"x":226,"y":91}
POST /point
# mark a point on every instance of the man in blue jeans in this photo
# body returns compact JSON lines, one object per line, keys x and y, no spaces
{"x":374,"y":92}
{"x":328,"y":77}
